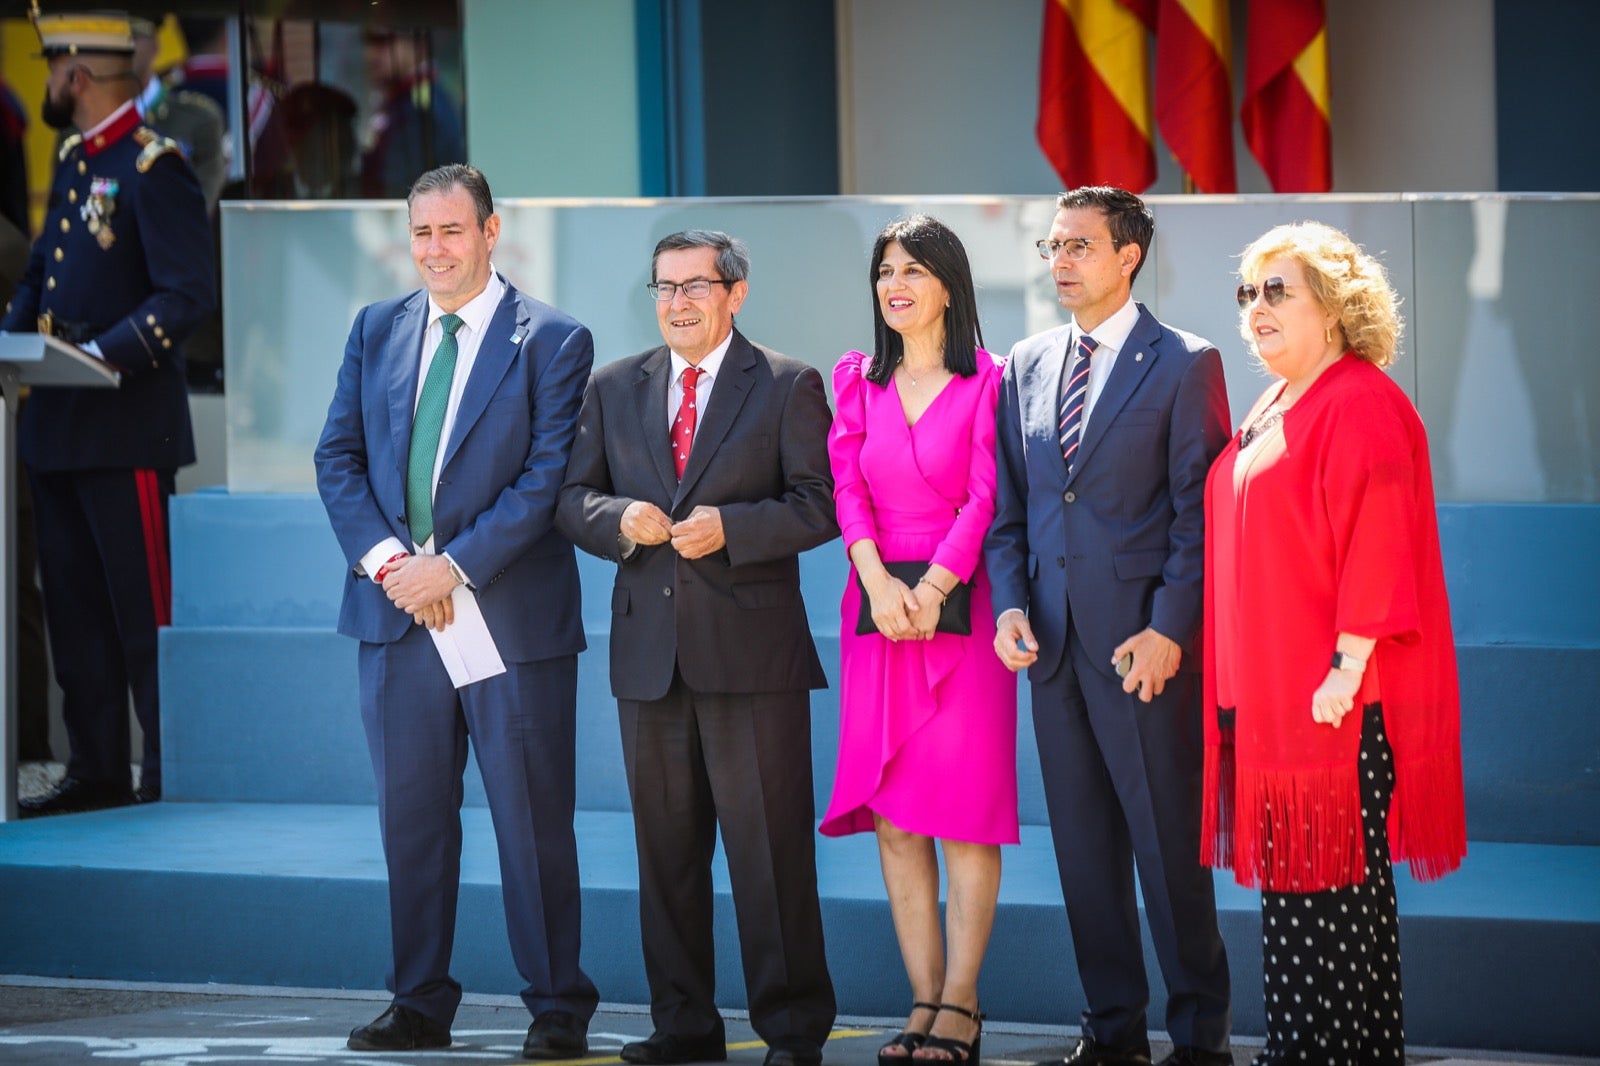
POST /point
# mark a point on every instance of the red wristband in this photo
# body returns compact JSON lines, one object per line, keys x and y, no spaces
{"x":383,"y":571}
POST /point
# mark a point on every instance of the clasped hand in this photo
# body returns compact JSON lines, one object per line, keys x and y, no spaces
{"x":900,"y":612}
{"x":698,"y":535}
{"x":421,"y":585}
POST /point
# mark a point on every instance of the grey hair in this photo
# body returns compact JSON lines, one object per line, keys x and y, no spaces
{"x":733,"y":255}
{"x":454,"y":175}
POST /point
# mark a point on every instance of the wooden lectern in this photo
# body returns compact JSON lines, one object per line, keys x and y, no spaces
{"x":39,"y":361}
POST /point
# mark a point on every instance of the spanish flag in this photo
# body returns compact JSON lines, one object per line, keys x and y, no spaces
{"x":1285,"y":112}
{"x":1094,"y":92}
{"x":1194,"y":90}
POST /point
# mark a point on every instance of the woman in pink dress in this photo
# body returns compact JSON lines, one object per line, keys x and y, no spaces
{"x":928,"y":719}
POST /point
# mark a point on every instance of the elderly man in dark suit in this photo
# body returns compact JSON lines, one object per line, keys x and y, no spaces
{"x":443,"y":452}
{"x":701,"y":468}
{"x":1106,"y":429}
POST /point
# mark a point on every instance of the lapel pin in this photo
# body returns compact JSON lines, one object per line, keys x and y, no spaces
{"x":516,"y":338}
{"x":1138,"y":357}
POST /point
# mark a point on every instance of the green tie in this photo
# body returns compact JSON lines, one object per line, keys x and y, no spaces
{"x":426,"y":426}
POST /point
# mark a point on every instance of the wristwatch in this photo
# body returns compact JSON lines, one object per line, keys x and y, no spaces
{"x":1342,"y":661}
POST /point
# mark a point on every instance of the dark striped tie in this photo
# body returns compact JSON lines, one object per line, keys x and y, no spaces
{"x":1072,"y":400}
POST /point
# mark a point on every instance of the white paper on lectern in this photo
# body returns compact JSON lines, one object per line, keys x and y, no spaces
{"x":466,"y":646}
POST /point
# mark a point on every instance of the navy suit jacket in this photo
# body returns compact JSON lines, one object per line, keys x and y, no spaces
{"x":494,"y":507}
{"x":732,"y":621}
{"x":1119,"y":544}
{"x":137,"y":286}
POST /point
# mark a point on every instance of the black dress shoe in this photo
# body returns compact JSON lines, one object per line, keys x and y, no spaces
{"x":73,"y":795}
{"x":1195,"y":1056}
{"x":147,"y":794}
{"x":399,"y":1029}
{"x":794,"y":1053}
{"x":665,"y":1049}
{"x":1089,"y":1053}
{"x":556,"y":1034}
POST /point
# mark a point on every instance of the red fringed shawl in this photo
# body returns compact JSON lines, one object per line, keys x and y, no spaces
{"x":1327,"y":525}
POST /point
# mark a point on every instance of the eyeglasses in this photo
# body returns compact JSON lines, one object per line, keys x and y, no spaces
{"x":1273,"y":290}
{"x":663,"y":292}
{"x":1074,"y":247}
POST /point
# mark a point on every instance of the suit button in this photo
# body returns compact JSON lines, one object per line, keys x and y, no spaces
{"x":667,"y":591}
{"x":400,"y":518}
{"x":1061,"y":560}
{"x":1070,"y":497}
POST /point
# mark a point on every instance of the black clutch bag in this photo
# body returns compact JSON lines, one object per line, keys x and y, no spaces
{"x":954,"y":617}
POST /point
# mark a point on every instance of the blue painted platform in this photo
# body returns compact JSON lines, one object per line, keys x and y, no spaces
{"x":265,"y":867}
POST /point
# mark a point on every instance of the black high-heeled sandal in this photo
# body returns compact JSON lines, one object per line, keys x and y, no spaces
{"x":962,"y":1052}
{"x":906,"y":1039}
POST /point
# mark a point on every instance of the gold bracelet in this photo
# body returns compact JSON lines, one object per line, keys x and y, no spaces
{"x":943,"y":595}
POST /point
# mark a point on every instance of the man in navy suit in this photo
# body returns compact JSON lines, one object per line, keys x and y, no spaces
{"x":444,"y":449}
{"x":1106,"y":428}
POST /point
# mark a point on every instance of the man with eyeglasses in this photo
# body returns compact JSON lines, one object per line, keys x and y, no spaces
{"x":1106,"y":428}
{"x":701,"y":469}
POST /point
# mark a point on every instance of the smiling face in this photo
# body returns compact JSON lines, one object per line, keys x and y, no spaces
{"x":450,"y":249}
{"x":1291,"y":338}
{"x":1095,"y":287}
{"x":912,"y":300}
{"x":694,"y":328}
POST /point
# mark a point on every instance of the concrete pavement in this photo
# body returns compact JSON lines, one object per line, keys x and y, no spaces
{"x":50,"y":1021}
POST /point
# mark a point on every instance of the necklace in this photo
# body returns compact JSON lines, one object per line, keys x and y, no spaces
{"x":914,"y":382}
{"x":1264,"y":421}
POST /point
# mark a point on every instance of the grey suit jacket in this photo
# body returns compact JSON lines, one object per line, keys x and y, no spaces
{"x":732,"y":621}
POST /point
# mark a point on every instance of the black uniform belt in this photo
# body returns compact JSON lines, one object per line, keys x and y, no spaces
{"x":71,"y":332}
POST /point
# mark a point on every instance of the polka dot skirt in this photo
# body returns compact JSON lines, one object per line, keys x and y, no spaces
{"x":1331,"y":959}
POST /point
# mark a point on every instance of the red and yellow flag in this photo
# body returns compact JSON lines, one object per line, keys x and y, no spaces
{"x":1194,"y":90}
{"x":1094,"y":92}
{"x":1285,"y":112}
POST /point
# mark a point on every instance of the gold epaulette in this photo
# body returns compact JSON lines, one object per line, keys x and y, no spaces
{"x":155,"y":146}
{"x":67,"y":145}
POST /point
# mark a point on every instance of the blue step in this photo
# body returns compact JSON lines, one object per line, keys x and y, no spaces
{"x":1501,"y":954}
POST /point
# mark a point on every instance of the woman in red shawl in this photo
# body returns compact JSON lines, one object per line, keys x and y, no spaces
{"x":1325,"y":598}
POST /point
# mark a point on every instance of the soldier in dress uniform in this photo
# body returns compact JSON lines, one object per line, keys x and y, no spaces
{"x":190,"y":118}
{"x":123,"y":269}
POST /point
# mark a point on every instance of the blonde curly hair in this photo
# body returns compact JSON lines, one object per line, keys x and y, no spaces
{"x":1343,"y":278}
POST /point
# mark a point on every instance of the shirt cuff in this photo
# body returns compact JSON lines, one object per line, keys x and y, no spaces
{"x":379,"y":554}
{"x":626,"y":546}
{"x":458,"y":573}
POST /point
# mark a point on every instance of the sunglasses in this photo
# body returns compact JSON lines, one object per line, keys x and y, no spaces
{"x":1273,"y":289}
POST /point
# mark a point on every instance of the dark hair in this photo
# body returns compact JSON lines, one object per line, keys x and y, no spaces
{"x":453,"y":175}
{"x":733,"y":258}
{"x":1127,"y":216}
{"x":934,"y":245}
{"x":199,"y":31}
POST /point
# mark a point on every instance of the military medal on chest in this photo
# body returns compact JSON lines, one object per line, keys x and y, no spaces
{"x":98,"y":208}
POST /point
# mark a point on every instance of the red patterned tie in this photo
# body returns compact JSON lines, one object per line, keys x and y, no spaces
{"x":683,"y":425}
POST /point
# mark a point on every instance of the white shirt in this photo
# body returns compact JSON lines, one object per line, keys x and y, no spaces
{"x":1110,"y":338}
{"x":709,"y":368}
{"x":475,"y":315}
